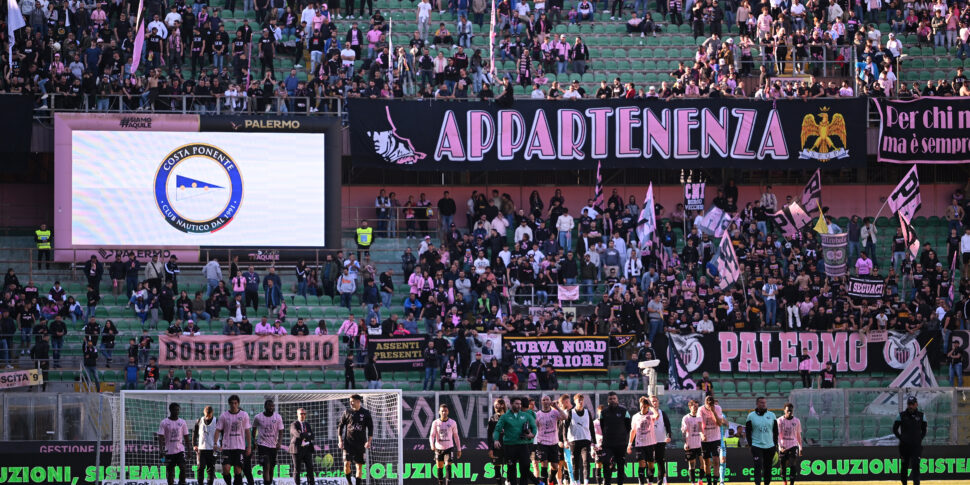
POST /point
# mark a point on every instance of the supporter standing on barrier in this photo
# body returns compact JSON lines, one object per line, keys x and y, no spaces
{"x":762,"y":432}
{"x":662,"y":431}
{"x":445,"y":443}
{"x":513,"y":434}
{"x":301,"y":447}
{"x":354,"y":434}
{"x":204,"y":439}
{"x":789,"y":444}
{"x":910,"y":429}
{"x":712,"y":420}
{"x":233,"y":427}
{"x":173,"y":440}
{"x":496,"y":453}
{"x":615,"y":424}
{"x":268,"y":427}
{"x":691,"y":426}
{"x":642,"y":440}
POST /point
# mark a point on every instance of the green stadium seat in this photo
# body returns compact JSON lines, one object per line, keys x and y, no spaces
{"x":758,"y":387}
{"x":744,"y":387}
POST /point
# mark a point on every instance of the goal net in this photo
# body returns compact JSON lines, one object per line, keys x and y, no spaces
{"x":137,"y":415}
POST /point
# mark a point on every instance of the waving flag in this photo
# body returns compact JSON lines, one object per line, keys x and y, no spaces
{"x":909,"y":235}
{"x":728,"y":267}
{"x":15,"y":21}
{"x":812,"y":193}
{"x":647,"y":224}
{"x":791,"y":219}
{"x":598,"y":193}
{"x":491,"y":41}
{"x":139,"y":38}
{"x":905,"y":198}
{"x":715,"y":222}
{"x":821,"y":226}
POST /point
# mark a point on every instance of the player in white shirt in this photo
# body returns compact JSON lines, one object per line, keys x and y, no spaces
{"x":233,"y":428}
{"x":445,"y":443}
{"x":690,"y":426}
{"x":712,"y":419}
{"x":173,"y":440}
{"x":579,"y":436}
{"x":268,"y":428}
{"x":642,"y":439}
{"x":547,"y":438}
{"x":662,"y":431}
{"x":789,"y":444}
{"x":205,"y":443}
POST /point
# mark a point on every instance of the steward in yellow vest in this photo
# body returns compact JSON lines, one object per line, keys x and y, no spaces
{"x":365,"y":237}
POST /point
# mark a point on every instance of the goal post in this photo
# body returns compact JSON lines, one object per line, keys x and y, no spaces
{"x":137,"y":415}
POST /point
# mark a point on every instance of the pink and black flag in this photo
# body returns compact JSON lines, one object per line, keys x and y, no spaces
{"x":598,"y":195}
{"x":139,"y":38}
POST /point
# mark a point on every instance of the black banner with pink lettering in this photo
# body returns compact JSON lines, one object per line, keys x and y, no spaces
{"x":774,"y":352}
{"x":648,"y":133}
{"x":924,"y":130}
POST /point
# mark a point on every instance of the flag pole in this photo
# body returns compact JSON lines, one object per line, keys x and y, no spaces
{"x":880,"y":210}
{"x":744,"y":288}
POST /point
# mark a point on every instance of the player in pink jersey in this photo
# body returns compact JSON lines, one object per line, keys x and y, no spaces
{"x":711,"y":421}
{"x":690,"y":426}
{"x":268,"y":426}
{"x":445,"y":443}
{"x":789,"y":444}
{"x":173,"y":440}
{"x":234,"y":429}
{"x":642,"y":438}
{"x":547,"y":438}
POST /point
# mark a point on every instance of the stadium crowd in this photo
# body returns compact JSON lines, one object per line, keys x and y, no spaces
{"x":83,"y":51}
{"x":484,"y":276}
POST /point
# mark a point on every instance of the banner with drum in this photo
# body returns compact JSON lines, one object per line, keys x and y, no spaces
{"x":779,"y":352}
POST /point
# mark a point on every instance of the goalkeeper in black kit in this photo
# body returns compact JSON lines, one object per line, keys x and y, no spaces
{"x":354,"y":434}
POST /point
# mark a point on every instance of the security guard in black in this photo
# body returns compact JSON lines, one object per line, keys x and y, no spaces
{"x":615,"y":424}
{"x":910,"y":429}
